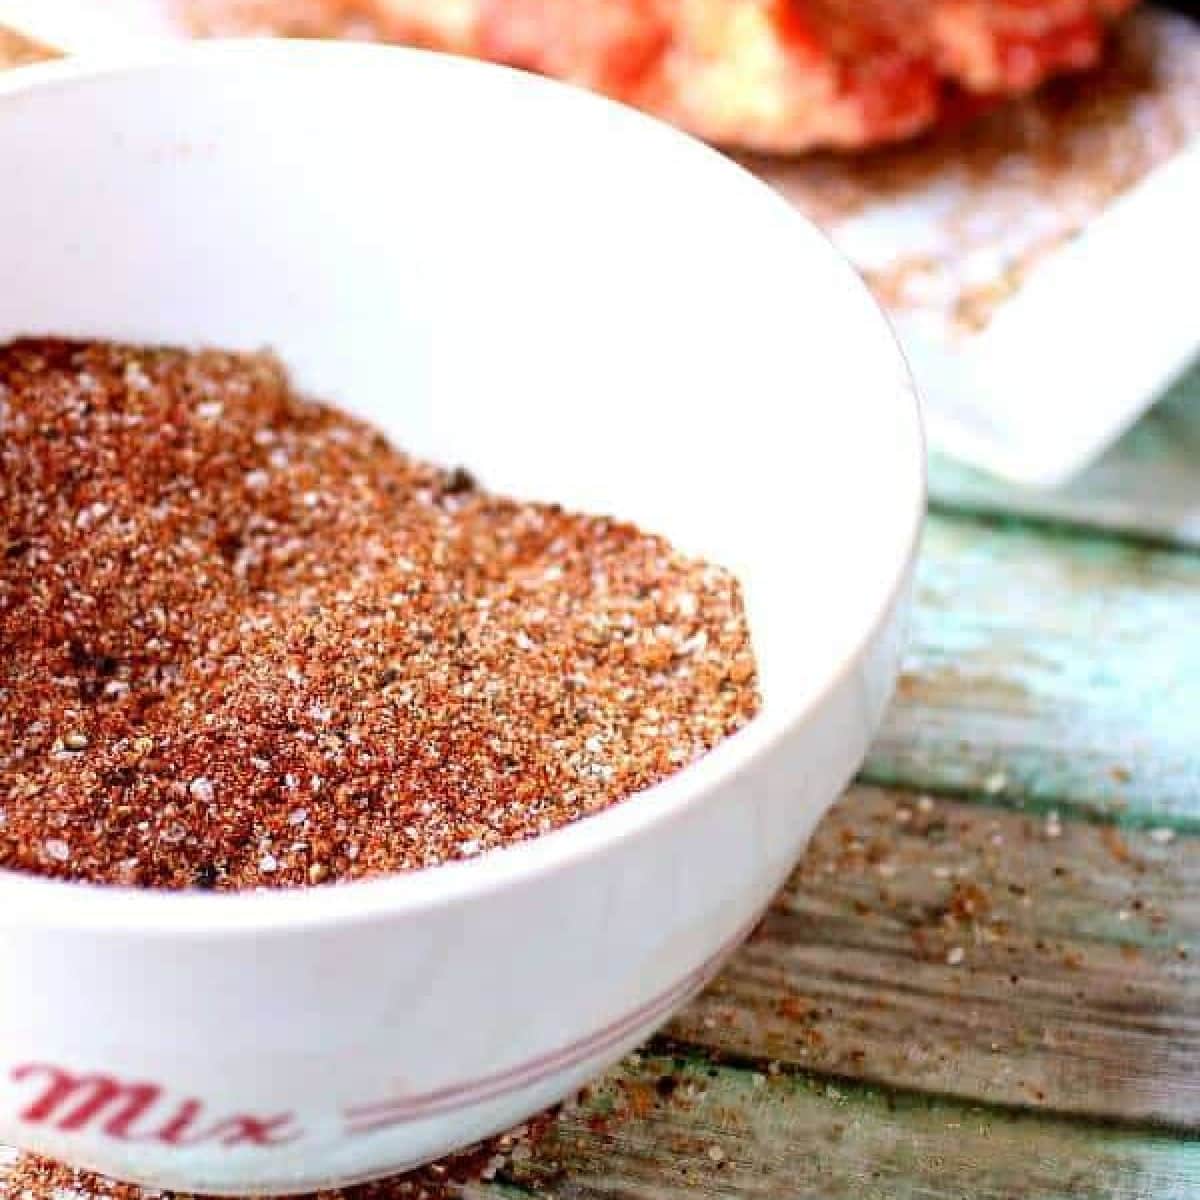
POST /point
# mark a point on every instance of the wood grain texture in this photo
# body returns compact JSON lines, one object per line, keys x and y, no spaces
{"x":1078,"y":990}
{"x":1050,"y":668}
{"x":1148,"y":485}
{"x":732,"y":1133}
{"x":994,"y":955}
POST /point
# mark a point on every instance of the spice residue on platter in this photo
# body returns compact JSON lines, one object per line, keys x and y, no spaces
{"x":249,"y":644}
{"x":976,"y":208}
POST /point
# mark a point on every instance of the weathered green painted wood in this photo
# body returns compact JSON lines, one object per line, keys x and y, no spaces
{"x":850,"y":975}
{"x":1148,"y":485}
{"x":1056,"y":668}
{"x":999,"y":956}
{"x":659,"y":1127}
{"x":732,"y":1133}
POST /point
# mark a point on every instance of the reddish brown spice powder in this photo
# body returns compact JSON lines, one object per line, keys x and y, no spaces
{"x":249,"y":644}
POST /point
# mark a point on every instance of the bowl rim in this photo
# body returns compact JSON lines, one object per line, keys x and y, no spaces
{"x":54,"y":904}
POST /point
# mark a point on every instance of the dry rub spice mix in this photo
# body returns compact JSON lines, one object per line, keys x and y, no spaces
{"x":247,"y":643}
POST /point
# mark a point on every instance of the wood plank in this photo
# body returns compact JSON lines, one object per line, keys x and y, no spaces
{"x":1078,"y":989}
{"x":1148,"y":485}
{"x":1059,"y":669}
{"x":990,"y":954}
{"x":662,"y":1126}
{"x":732,"y":1133}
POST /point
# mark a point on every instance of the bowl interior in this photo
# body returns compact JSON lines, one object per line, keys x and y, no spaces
{"x":575,"y":302}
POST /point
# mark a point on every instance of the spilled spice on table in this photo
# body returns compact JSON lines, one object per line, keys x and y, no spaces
{"x":31,"y":1177}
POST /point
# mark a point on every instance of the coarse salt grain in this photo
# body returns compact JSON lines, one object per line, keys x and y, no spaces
{"x":686,"y":604}
{"x":91,"y":515}
{"x":202,"y":789}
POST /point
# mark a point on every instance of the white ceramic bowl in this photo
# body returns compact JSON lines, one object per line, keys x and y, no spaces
{"x":579,"y":304}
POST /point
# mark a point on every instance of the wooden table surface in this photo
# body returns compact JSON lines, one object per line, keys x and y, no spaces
{"x":984,"y":979}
